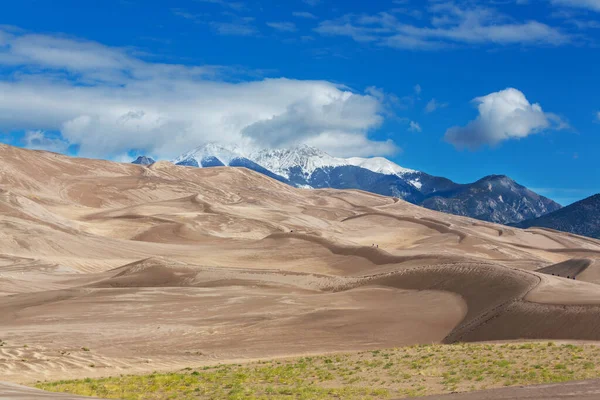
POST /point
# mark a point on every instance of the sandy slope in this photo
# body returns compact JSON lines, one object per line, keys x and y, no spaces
{"x":163,"y":267}
{"x":582,"y":390}
{"x":11,"y":391}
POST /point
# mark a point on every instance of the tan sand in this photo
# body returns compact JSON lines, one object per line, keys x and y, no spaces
{"x":110,"y":268}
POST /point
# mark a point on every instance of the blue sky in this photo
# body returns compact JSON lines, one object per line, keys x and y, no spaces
{"x":460,"y":89}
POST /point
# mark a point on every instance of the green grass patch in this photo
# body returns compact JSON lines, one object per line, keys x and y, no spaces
{"x":380,"y":374}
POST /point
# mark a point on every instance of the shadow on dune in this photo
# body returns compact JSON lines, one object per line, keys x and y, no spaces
{"x":494,"y":294}
{"x":569,"y":269}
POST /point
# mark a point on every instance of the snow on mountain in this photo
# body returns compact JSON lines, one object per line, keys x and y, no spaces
{"x":206,"y":154}
{"x":494,"y":198}
{"x":307,"y":158}
{"x":380,"y":165}
{"x":282,"y":161}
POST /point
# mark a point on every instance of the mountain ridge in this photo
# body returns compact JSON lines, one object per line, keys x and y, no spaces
{"x":580,"y":218}
{"x":494,"y":198}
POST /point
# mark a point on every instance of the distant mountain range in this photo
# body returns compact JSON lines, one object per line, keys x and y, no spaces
{"x":494,"y":198}
{"x":581,"y":218}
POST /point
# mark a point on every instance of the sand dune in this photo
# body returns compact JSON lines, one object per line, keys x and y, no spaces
{"x":569,"y":269}
{"x":112,"y":268}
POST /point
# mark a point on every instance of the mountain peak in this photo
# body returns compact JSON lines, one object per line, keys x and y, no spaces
{"x":498,"y":181}
{"x":210,"y":150}
{"x":307,"y":149}
{"x":380,"y":165}
{"x":307,"y":158}
{"x":495,"y":177}
{"x":143,"y":160}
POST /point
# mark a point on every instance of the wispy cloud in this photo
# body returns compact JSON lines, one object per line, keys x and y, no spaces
{"x":283,"y":26}
{"x":414,"y":127}
{"x":180,"y":12}
{"x":304,"y":14}
{"x":433,"y":105}
{"x":450,"y":25}
{"x":587,"y":4}
{"x":312,"y":3}
{"x":234,"y":28}
{"x":40,"y":140}
{"x":235,"y":5}
{"x":580,"y":19}
{"x":234,"y":25}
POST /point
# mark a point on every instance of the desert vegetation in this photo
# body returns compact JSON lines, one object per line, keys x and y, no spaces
{"x":402,"y":372}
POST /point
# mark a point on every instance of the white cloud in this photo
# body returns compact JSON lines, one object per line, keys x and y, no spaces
{"x":589,"y":4}
{"x":503,"y":115}
{"x":107,"y":101}
{"x":349,"y":145}
{"x":331,"y":112}
{"x":414,"y":127}
{"x":283,"y":26}
{"x":449,"y":26}
{"x":598,"y":115}
{"x":433,"y":105}
{"x":38,"y":140}
{"x":88,"y":61}
{"x":418,"y":89}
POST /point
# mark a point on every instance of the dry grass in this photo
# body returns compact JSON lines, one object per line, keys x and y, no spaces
{"x":380,"y":374}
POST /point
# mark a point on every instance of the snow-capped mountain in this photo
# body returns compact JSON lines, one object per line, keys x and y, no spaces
{"x":494,"y":198}
{"x":307,"y":158}
{"x":380,"y":165}
{"x":209,"y":155}
{"x":286,"y":163}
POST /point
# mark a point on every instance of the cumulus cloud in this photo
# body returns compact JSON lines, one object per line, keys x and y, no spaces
{"x":348,"y":145}
{"x":336,"y":111}
{"x":414,"y":127}
{"x":105,"y":101}
{"x":503,"y":115}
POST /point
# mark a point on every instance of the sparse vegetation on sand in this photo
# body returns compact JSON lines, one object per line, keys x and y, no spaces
{"x":379,"y":374}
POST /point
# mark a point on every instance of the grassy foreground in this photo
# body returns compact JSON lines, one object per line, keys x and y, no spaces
{"x":410,"y":371}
